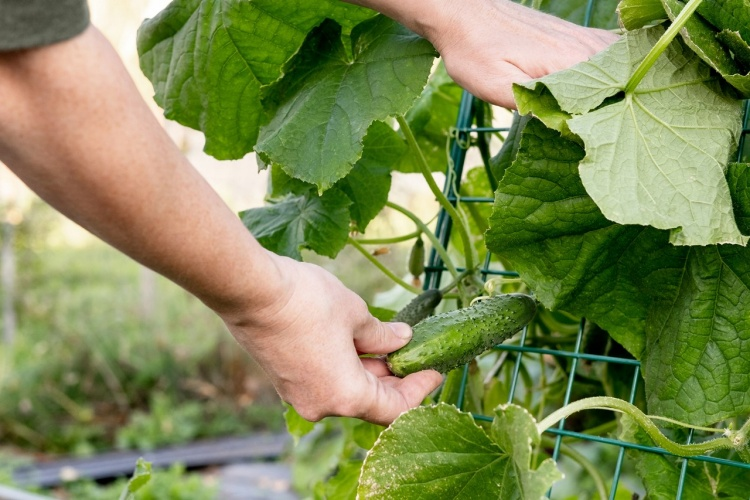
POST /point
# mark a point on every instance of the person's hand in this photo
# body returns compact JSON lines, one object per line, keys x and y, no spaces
{"x":487,"y":45}
{"x":308,"y":340}
{"x":491,"y":44}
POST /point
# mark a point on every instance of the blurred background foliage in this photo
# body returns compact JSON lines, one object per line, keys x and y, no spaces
{"x":107,"y":355}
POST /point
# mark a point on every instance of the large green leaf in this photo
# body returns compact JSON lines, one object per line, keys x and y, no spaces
{"x":209,"y":59}
{"x":656,"y":156}
{"x":556,"y":237}
{"x":728,"y":15}
{"x":694,"y":362}
{"x":507,"y":153}
{"x":661,"y":474}
{"x":681,"y":310}
{"x":367,"y":185}
{"x":299,"y":217}
{"x":320,"y":223}
{"x":369,"y":182}
{"x":738,"y":176}
{"x":440,"y":452}
{"x":702,"y":38}
{"x":329,"y":99}
{"x":515,"y":431}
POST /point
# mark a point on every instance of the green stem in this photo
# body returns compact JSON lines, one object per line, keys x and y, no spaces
{"x":439,"y":248}
{"x":389,"y":241}
{"x":741,"y":438}
{"x":459,"y":222}
{"x":661,"y":45}
{"x":683,"y":424}
{"x":585,"y":463}
{"x":543,"y":398}
{"x":385,"y":270}
{"x":447,"y":288}
{"x":614,"y":404}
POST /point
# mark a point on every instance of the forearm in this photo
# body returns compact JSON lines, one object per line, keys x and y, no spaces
{"x":74,"y":128}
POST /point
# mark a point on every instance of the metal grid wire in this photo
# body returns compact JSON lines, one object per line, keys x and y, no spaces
{"x":464,"y":138}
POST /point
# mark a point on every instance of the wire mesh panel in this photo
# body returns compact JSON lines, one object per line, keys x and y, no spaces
{"x":467,"y":135}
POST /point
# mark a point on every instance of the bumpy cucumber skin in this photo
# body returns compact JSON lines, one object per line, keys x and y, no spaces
{"x":420,"y":307}
{"x":451,"y":339}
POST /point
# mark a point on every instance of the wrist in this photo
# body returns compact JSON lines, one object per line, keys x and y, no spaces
{"x":251,"y":291}
{"x":427,"y":18}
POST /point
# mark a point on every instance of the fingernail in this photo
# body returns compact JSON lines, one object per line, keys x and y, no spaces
{"x":401,"y":330}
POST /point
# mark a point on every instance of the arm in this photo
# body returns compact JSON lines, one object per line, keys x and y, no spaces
{"x":487,"y":45}
{"x":74,"y":129}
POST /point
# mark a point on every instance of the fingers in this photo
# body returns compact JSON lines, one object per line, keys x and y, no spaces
{"x":376,"y":366}
{"x":393,"y":396}
{"x":373,"y":394}
{"x":377,"y":337}
{"x":499,"y":90}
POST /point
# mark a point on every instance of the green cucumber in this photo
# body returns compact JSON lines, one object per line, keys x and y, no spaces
{"x":416,"y":258}
{"x":420,"y":307}
{"x":451,"y":339}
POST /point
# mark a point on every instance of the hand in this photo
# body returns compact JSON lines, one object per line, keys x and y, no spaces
{"x":309,"y":338}
{"x":491,"y":44}
{"x":487,"y":45}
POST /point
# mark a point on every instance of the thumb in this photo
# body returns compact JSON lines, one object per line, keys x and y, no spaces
{"x":381,"y":338}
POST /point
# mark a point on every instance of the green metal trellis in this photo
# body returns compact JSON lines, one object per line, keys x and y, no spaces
{"x":462,"y":140}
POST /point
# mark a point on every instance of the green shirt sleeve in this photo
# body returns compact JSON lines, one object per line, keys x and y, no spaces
{"x":31,"y":23}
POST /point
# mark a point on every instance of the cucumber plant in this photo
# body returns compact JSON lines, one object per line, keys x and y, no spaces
{"x":620,"y":196}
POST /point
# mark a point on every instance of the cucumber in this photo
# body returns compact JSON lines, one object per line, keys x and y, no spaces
{"x":451,"y":339}
{"x":416,"y":258}
{"x":420,"y":307}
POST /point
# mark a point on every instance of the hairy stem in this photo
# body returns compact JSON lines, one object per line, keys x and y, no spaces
{"x":661,"y":45}
{"x":614,"y":404}
{"x":384,"y":269}
{"x":439,"y":248}
{"x":459,"y":222}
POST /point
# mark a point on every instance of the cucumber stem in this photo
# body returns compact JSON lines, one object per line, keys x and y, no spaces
{"x":439,"y":196}
{"x":391,"y":240}
{"x":439,"y":248}
{"x":661,"y":45}
{"x":447,"y":288}
{"x":729,"y":440}
{"x":384,"y":269}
